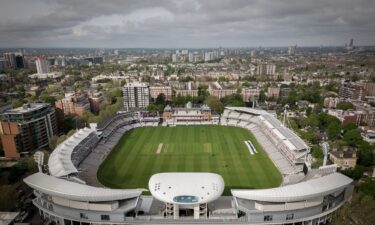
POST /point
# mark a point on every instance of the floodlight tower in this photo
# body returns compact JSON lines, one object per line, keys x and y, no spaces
{"x":285,"y":113}
{"x":325,"y":147}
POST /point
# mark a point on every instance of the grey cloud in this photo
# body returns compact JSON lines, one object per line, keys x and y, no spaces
{"x":185,"y":23}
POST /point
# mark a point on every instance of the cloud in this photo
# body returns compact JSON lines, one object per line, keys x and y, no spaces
{"x":185,"y":23}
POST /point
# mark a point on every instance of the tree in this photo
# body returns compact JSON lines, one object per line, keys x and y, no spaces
{"x":52,"y":143}
{"x":215,"y":104}
{"x":349,"y":126}
{"x":8,"y":198}
{"x":69,"y":123}
{"x":202,"y":90}
{"x":153,"y":108}
{"x":233,"y":100}
{"x":48,"y":99}
{"x":160,"y":100}
{"x":368,"y":187}
{"x":355,"y":173}
{"x":353,"y":138}
{"x":365,"y":154}
{"x":345,"y":106}
{"x":333,"y":131}
{"x":308,"y":111}
{"x":18,"y":170}
{"x":17,"y":103}
{"x":317,"y":152}
{"x":262,"y":96}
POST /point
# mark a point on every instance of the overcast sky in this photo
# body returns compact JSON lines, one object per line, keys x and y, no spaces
{"x":185,"y":23}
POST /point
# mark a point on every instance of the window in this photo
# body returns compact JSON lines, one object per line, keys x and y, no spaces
{"x":289,"y":216}
{"x":83,"y":216}
{"x":105,"y":217}
{"x":268,"y":218}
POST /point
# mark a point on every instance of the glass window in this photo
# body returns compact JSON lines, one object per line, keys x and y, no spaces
{"x":105,"y":217}
{"x":83,"y":216}
{"x":289,"y":216}
{"x":268,"y":218}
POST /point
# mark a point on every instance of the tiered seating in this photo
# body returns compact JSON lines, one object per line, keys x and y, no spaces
{"x":279,"y":148}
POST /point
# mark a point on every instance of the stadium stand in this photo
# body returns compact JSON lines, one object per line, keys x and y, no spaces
{"x":284,"y":147}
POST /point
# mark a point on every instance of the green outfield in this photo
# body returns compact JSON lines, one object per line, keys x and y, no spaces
{"x":143,"y":152}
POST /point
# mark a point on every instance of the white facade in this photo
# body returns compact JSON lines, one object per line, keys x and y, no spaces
{"x":136,"y":95}
{"x":42,"y":65}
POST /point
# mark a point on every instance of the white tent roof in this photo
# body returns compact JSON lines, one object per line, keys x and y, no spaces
{"x":186,"y":188}
{"x":297,"y":192}
{"x":78,"y":192}
{"x":248,"y":110}
{"x":60,"y":161}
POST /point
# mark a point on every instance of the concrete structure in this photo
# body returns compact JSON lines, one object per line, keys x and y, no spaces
{"x":27,"y":128}
{"x":307,"y":202}
{"x":186,"y":191}
{"x":136,"y":95}
{"x":42,"y":65}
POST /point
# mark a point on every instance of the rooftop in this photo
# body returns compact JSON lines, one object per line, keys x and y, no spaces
{"x":77,"y":192}
{"x":186,"y":188}
{"x":26,"y":108}
{"x":297,"y":192}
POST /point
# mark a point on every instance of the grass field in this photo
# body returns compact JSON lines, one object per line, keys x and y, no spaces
{"x":143,"y":152}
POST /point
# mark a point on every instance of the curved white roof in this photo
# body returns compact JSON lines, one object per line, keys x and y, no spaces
{"x":186,"y":188}
{"x":297,"y":192}
{"x":78,"y":192}
{"x":60,"y":161}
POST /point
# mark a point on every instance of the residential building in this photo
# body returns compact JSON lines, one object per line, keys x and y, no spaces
{"x":218,"y":91}
{"x":266,"y":69}
{"x":136,"y":95}
{"x":27,"y":128}
{"x":42,"y":65}
{"x":74,"y":104}
{"x":10,"y":58}
{"x":331,"y":102}
{"x":95,"y":98}
{"x":352,"y":91}
{"x":155,"y":91}
{"x":273,"y":92}
{"x":250,"y":94}
{"x":346,"y":158}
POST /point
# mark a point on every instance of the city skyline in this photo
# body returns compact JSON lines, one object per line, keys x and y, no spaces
{"x":185,"y":24}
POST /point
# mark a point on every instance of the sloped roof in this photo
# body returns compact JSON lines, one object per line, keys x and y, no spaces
{"x":60,"y":161}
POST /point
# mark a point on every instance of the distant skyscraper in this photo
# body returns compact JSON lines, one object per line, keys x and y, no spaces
{"x":42,"y":65}
{"x":10,"y":57}
{"x":292,"y":50}
{"x":20,"y":61}
{"x":136,"y":95}
{"x":266,"y":69}
{"x":351,"y":42}
{"x":174,"y":57}
{"x":191,"y":57}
